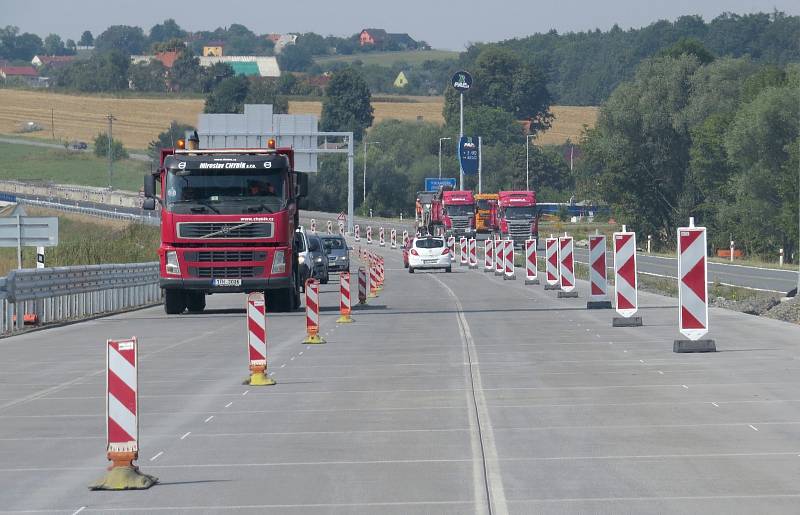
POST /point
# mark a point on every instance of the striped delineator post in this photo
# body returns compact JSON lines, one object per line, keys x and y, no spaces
{"x":379,"y":268}
{"x":393,"y":238}
{"x":488,"y":255}
{"x":598,"y":274}
{"x":344,"y":299}
{"x":473,"y":253}
{"x":312,"y":312}
{"x":122,"y":418}
{"x":499,"y":257}
{"x":329,"y":227}
{"x":257,"y":340}
{"x":341,"y":228}
{"x":693,"y":290}
{"x":373,"y":280}
{"x":313,"y":225}
{"x":463,"y":258}
{"x":551,"y":264}
{"x":369,"y":235}
{"x":566,"y":267}
{"x":405,"y":238}
{"x":363,"y":285}
{"x":451,"y":244}
{"x":357,"y":232}
{"x":625,"y":287}
{"x":381,"y":238}
{"x":508,"y":260}
{"x":531,"y":262}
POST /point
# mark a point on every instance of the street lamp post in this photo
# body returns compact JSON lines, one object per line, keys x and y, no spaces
{"x":528,"y":160}
{"x":366,"y":143}
{"x":440,"y":154}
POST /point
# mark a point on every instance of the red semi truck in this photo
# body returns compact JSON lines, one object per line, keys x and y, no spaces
{"x":228,"y":220}
{"x":517,"y":216}
{"x":458,"y":213}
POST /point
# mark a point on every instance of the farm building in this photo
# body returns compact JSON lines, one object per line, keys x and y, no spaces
{"x":166,"y":58}
{"x":25,"y":74}
{"x":383,"y":39}
{"x":266,"y":66}
{"x":213,"y":49}
{"x":53,"y":61}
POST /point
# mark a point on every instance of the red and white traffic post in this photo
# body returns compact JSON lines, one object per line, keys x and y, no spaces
{"x":488,"y":255}
{"x":473,"y":253}
{"x":257,"y":340}
{"x":393,"y":238}
{"x":357,"y":232}
{"x":341,"y":228}
{"x":381,"y":239}
{"x":345,"y":307}
{"x":625,"y":279}
{"x":499,"y":257}
{"x":122,"y":418}
{"x":369,"y":235}
{"x":373,"y":280}
{"x":508,"y":260}
{"x":313,"y":225}
{"x":312,"y":312}
{"x":451,"y":244}
{"x":462,"y":251}
{"x":363,"y":285}
{"x":598,"y":274}
{"x":379,"y":268}
{"x":405,"y":238}
{"x":566,"y":267}
{"x":329,"y":227}
{"x":531,"y":262}
{"x":693,"y":290}
{"x":552,"y":277}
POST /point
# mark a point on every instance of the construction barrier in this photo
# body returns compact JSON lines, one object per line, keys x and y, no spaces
{"x":357,"y":232}
{"x":531,"y":262}
{"x":508,"y":260}
{"x":381,"y":239}
{"x":369,"y":235}
{"x":122,"y":418}
{"x":257,"y":340}
{"x":363,"y":285}
{"x":566,"y":267}
{"x":344,"y":299}
{"x":625,"y":287}
{"x":393,"y":238}
{"x":451,"y":244}
{"x":329,"y":227}
{"x":381,"y":271}
{"x":473,"y":253}
{"x":598,"y":274}
{"x":373,"y":281}
{"x":313,"y":225}
{"x":341,"y":229}
{"x":462,"y":251}
{"x":405,"y":238}
{"x":499,"y":257}
{"x":551,"y":264}
{"x":693,"y":290}
{"x":312,"y":312}
{"x":488,"y":255}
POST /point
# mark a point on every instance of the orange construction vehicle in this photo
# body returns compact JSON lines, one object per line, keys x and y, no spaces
{"x":486,"y":212}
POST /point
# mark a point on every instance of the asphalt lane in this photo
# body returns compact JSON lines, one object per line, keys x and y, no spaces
{"x":450,"y":393}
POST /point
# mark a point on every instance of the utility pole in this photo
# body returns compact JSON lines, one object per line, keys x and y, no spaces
{"x":440,"y":154}
{"x":528,"y":160}
{"x":52,"y":124}
{"x":111,"y":119}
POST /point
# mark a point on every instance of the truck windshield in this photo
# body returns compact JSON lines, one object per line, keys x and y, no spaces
{"x":484,"y":205}
{"x":224,"y":192}
{"x":460,"y":210}
{"x":520,"y":212}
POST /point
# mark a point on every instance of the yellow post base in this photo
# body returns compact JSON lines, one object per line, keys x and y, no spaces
{"x":260,"y":379}
{"x":315,"y":339}
{"x":124,"y":478}
{"x":344,"y":319}
{"x":372,"y":295}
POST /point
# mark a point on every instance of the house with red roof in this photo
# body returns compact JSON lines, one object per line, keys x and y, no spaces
{"x":52,"y":60}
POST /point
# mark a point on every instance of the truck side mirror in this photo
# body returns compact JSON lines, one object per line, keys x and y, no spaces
{"x":302,"y":185}
{"x":149,"y":186}
{"x":149,"y":204}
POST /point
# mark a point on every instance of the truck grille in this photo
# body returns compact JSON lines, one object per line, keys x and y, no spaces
{"x":460,"y":223}
{"x":218,"y":256}
{"x":221,"y":230}
{"x":226,"y":272}
{"x":520,"y":230}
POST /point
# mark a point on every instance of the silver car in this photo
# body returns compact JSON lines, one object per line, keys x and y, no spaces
{"x":338,"y":253}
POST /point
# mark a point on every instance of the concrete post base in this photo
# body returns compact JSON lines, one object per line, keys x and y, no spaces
{"x":531,"y":281}
{"x":694,"y":346}
{"x":598,"y":304}
{"x":567,"y":295}
{"x":552,"y":287}
{"x":509,"y":277}
{"x":627,"y":322}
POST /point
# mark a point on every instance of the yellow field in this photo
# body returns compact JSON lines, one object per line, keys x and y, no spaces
{"x":139,"y":120}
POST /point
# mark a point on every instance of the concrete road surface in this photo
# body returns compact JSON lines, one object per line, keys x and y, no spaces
{"x":450,"y":394}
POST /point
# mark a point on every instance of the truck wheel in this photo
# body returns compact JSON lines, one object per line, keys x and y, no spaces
{"x":174,"y":302}
{"x":279,"y":301}
{"x":196,"y":301}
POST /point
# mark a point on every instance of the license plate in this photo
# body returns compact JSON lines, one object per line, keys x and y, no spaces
{"x":429,"y":261}
{"x":227,"y":282}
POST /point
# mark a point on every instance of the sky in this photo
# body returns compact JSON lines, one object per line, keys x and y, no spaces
{"x":445,"y":25}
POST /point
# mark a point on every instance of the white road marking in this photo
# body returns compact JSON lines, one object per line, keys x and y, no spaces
{"x":292,"y":358}
{"x":245,"y":392}
{"x":154,"y":458}
{"x":641,"y":361}
{"x":754,"y":428}
{"x":660,"y":372}
{"x":283,"y":365}
{"x":301,"y":353}
{"x":715,"y":404}
{"x":685,"y":386}
{"x":206,"y":421}
{"x":187,"y":434}
{"x":79,"y":510}
{"x":228,"y":405}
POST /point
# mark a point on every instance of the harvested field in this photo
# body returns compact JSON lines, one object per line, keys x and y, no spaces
{"x":568,"y":124}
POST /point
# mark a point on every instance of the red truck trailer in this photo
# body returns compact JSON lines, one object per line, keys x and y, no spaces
{"x":517,"y":216}
{"x":228,"y":220}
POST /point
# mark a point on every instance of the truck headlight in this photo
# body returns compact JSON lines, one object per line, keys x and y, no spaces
{"x":318,"y":260}
{"x":279,"y":262}
{"x":301,"y":259}
{"x":173,"y":268}
{"x":343,"y":258}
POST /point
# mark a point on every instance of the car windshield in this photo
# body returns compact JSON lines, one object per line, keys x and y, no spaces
{"x":334,"y":243}
{"x":460,"y":210}
{"x":225,"y":192}
{"x":430,"y":243}
{"x":484,"y":204}
{"x":520,"y":212}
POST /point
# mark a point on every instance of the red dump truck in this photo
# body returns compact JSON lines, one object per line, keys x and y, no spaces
{"x":458,"y":213}
{"x":517,"y":215}
{"x":228,"y":220}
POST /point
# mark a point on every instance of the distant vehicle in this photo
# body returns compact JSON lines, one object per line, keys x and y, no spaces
{"x":458,"y":213}
{"x":317,"y":260}
{"x":518,"y":216}
{"x":79,"y":145}
{"x":29,"y":127}
{"x":430,"y":253}
{"x":406,"y":249}
{"x":338,"y":253}
{"x":486,"y":212}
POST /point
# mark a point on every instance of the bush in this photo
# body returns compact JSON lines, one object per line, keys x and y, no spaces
{"x":101,"y":148}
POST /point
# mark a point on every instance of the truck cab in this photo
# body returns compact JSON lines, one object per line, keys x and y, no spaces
{"x":228,"y":220}
{"x":458,"y":213}
{"x":518,"y":216}
{"x":486,"y":212}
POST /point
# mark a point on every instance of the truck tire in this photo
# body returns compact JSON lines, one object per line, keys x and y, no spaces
{"x":196,"y":301}
{"x":174,"y":302}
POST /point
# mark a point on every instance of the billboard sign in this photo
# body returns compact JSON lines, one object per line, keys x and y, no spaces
{"x":433,"y":183}
{"x":469,"y":155}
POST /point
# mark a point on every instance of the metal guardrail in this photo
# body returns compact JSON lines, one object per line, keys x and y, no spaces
{"x":74,"y":292}
{"x":151,"y":218}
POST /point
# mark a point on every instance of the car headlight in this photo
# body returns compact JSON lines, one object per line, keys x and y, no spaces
{"x":343,"y":258}
{"x":301,"y":259}
{"x":318,"y":260}
{"x":172,"y":266}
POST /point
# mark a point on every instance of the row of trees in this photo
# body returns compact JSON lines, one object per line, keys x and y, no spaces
{"x":717,"y":141}
{"x":22,"y":47}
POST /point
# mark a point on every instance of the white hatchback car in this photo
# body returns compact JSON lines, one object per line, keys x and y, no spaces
{"x":429,"y":252}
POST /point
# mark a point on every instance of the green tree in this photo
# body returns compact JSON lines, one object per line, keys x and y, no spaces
{"x":186,"y":73}
{"x":168,"y":138}
{"x":166,"y":31}
{"x":86,"y":38}
{"x":121,"y":38}
{"x":347,"y":104}
{"x":228,"y":96}
{"x":53,"y":45}
{"x":150,"y":76}
{"x":101,"y":148}
{"x":688,"y":46}
{"x":265,"y":91}
{"x":295,"y":58}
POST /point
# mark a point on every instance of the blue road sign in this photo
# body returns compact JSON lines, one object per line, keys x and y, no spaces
{"x":469,"y":155}
{"x":433,"y":183}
